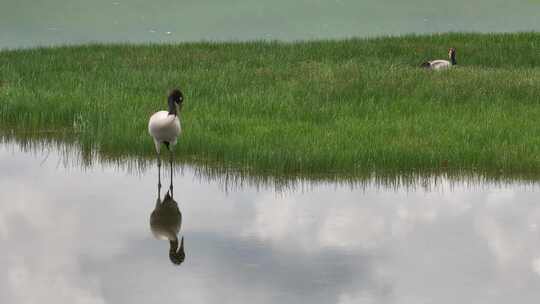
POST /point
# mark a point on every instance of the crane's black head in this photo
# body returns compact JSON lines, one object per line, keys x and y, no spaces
{"x":176,"y":96}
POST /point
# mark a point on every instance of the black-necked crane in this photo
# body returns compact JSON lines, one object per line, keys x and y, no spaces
{"x":441,"y":64}
{"x":165,"y":127}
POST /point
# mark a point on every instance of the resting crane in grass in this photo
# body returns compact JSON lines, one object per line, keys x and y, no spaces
{"x":165,"y":223}
{"x":164,"y":127}
{"x":441,"y":64}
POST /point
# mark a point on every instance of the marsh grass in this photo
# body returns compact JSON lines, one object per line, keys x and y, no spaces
{"x":68,"y":155}
{"x":346,"y":107}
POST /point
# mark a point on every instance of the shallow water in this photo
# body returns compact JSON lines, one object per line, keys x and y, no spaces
{"x":27,"y":23}
{"x":74,"y":234}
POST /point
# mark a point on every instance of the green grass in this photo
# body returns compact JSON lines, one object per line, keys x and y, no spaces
{"x":325,"y":107}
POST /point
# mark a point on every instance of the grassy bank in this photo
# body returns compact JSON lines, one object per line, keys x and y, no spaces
{"x":343,"y":107}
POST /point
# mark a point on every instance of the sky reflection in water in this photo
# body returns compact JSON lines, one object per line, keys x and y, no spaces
{"x":83,"y":236}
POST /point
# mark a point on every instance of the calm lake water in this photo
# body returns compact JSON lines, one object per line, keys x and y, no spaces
{"x":74,"y":234}
{"x":25,"y":23}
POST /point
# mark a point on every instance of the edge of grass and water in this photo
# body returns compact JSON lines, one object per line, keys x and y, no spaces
{"x":346,"y":108}
{"x":70,"y":155}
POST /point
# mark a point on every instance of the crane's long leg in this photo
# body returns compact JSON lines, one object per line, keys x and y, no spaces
{"x":159,"y":181}
{"x":171,"y":164}
{"x":158,"y":201}
{"x":157,"y":144}
{"x":159,"y":170}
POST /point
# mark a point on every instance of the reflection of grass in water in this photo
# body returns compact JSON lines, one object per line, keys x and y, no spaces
{"x":234,"y":179}
{"x":316,"y":108}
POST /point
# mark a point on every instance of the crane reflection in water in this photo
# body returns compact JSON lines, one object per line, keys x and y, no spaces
{"x":166,"y":221}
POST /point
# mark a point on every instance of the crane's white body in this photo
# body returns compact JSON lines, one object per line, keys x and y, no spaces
{"x":440,"y":64}
{"x":164,"y":127}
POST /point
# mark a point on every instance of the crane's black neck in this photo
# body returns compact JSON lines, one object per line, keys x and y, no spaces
{"x":453,"y":58}
{"x":172,"y":107}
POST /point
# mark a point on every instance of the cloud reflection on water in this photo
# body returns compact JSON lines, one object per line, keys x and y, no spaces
{"x":82,"y":236}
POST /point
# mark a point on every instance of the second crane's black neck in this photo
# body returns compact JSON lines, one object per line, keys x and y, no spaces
{"x":453,"y":58}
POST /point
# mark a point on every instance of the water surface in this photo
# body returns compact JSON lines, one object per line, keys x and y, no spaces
{"x":27,"y":23}
{"x":74,"y":234}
